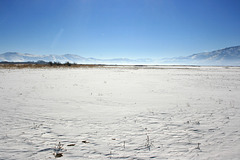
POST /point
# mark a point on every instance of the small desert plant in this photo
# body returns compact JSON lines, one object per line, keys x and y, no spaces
{"x":198,"y":147}
{"x":149,"y":143}
{"x":58,"y":150}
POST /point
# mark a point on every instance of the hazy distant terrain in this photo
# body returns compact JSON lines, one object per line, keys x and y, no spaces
{"x":227,"y":56}
{"x":160,"y":112}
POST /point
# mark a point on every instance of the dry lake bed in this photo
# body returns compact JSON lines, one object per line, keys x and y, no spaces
{"x":121,"y":112}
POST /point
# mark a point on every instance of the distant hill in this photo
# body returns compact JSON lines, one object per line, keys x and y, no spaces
{"x":226,"y":56}
{"x":25,"y":57}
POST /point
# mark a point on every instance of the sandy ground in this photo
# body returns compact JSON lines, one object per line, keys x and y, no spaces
{"x":120,"y":113}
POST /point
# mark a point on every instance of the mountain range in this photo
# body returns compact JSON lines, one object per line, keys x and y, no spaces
{"x":226,"y":56}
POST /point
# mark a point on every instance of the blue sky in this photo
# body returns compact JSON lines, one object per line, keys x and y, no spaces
{"x":118,"y":28}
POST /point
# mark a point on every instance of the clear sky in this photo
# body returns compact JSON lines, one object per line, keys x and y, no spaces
{"x":118,"y":28}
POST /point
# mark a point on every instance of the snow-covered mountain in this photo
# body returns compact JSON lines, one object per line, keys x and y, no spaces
{"x":226,"y":56}
{"x":25,"y":57}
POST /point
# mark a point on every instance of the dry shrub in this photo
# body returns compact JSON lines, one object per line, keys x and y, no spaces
{"x":49,"y":65}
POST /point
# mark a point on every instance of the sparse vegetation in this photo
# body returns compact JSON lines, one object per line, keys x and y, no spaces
{"x":42,"y":64}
